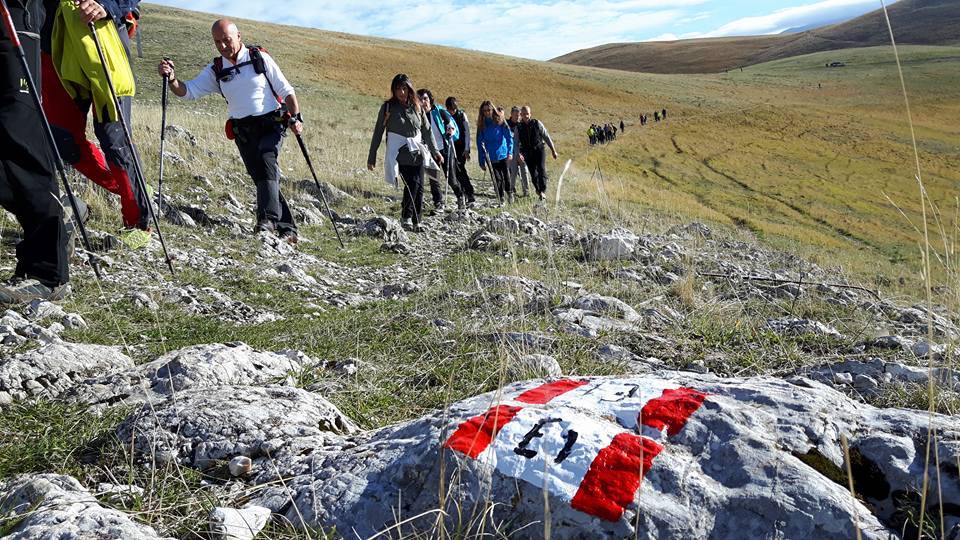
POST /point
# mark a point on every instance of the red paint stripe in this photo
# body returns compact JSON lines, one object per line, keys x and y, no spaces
{"x":614,"y":476}
{"x":542,"y":394}
{"x":672,"y":409}
{"x":476,"y":434}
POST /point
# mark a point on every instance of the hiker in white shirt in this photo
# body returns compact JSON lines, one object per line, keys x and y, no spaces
{"x":261,"y":105}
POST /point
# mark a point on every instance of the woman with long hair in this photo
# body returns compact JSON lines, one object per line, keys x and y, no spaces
{"x":495,"y":147}
{"x":410,"y":147}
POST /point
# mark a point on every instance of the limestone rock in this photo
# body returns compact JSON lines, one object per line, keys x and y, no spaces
{"x":201,"y":426}
{"x":615,"y":245}
{"x":504,"y":225}
{"x":399,"y":290}
{"x":332,"y":193}
{"x":48,"y":506}
{"x":177,"y":132}
{"x":272,"y":246}
{"x":200,"y":366}
{"x":678,"y":455}
{"x":607,"y":305}
{"x":792,"y":326}
{"x":40,"y":310}
{"x":240,"y":466}
{"x":384,"y":228}
{"x":234,"y":524}
{"x":484,"y":240}
{"x":55,"y":368}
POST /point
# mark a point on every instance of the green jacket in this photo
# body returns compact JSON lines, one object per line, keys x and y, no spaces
{"x":395,"y":118}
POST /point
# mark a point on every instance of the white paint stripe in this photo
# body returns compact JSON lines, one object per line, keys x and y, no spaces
{"x":580,"y":410}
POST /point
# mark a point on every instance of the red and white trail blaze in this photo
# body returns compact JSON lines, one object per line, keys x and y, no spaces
{"x":550,"y":436}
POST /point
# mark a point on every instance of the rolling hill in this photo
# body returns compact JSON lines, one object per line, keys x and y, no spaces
{"x":917,"y":22}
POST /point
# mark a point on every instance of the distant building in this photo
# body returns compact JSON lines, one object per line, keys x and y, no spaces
{"x":835,"y":65}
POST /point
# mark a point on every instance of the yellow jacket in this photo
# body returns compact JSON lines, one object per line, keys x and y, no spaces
{"x":77,"y":63}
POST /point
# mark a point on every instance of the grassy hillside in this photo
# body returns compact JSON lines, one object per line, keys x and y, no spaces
{"x":766,"y":150}
{"x":917,"y":22}
{"x":783,"y":159}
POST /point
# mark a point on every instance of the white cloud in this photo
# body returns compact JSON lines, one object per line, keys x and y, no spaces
{"x":795,"y":17}
{"x":538,"y":30}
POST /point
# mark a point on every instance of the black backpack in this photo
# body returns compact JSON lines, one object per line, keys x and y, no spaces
{"x":259,"y":67}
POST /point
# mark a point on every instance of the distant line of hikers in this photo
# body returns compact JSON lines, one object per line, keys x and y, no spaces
{"x":425,"y":140}
{"x":657,"y":116}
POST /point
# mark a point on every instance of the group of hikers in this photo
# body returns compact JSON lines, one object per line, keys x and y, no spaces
{"x":602,"y":134}
{"x":63,"y":59}
{"x":426,"y":142}
{"x":657,"y":116}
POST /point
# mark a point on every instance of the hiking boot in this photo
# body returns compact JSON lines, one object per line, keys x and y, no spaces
{"x":461,"y":204}
{"x":264,"y":225}
{"x":19,"y":290}
{"x":510,"y":198}
{"x":407,"y":224}
{"x":418,"y":228}
{"x":541,"y":196}
{"x":290,"y":237}
{"x":135,"y":238}
{"x":439,"y":209}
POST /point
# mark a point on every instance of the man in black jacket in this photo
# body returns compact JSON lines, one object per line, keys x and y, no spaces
{"x":531,"y":136}
{"x":462,"y":147}
{"x":28,"y":188}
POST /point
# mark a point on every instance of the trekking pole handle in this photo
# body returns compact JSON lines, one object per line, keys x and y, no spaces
{"x":8,"y":25}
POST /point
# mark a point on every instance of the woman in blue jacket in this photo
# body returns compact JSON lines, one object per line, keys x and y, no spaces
{"x":495,"y":145}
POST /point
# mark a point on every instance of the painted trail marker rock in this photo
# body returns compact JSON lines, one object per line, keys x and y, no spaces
{"x":663,"y":455}
{"x":549,"y":436}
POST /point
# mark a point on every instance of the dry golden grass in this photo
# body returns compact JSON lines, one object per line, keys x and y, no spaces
{"x":767,"y":150}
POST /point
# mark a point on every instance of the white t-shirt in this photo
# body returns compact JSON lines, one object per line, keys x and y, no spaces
{"x":247,"y":92}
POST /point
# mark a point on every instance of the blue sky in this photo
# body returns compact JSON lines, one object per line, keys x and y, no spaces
{"x":540,"y":29}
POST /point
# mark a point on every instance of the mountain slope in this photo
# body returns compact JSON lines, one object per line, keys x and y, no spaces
{"x":918,"y":22}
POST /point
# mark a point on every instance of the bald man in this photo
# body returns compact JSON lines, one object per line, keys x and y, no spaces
{"x":254,"y":87}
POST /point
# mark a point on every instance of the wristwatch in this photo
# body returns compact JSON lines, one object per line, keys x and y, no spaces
{"x":294,"y":118}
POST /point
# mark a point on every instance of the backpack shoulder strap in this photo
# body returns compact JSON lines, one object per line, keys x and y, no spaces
{"x":217,"y":67}
{"x":260,"y":67}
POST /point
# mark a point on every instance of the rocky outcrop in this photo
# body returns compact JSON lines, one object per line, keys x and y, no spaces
{"x":47,"y":506}
{"x":615,"y":245}
{"x":200,"y":366}
{"x":55,"y":368}
{"x":202,"y":426}
{"x":659,"y":456}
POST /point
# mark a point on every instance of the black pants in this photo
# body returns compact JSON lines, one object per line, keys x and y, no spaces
{"x":536,"y":160}
{"x":501,"y":178}
{"x":412,"y":206}
{"x":462,"y":176}
{"x":29,"y":190}
{"x":259,"y":138}
{"x":436,"y":189}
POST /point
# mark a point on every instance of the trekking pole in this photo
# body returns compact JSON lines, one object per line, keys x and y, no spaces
{"x":493,"y":177}
{"x":54,"y":151}
{"x":306,"y":156}
{"x":163,"y":137}
{"x":140,"y":44}
{"x":138,"y":168}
